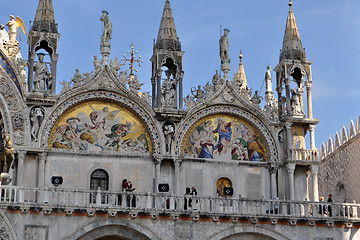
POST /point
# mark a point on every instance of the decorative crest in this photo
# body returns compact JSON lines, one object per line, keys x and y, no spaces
{"x":132,"y":60}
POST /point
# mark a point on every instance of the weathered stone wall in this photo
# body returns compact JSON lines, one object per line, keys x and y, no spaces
{"x":58,"y":226}
{"x":342,"y":168}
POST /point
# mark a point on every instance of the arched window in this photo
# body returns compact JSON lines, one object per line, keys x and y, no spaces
{"x":99,"y":178}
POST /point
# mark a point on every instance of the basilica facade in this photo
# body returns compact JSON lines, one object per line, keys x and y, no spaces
{"x":105,"y":160}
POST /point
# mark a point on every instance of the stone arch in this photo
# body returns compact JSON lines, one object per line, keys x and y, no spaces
{"x":120,"y":228}
{"x":189,"y":121}
{"x":225,"y":181}
{"x":254,"y":230}
{"x":303,"y":70}
{"x":340,"y":193}
{"x":115,"y":98}
{"x":7,"y":231}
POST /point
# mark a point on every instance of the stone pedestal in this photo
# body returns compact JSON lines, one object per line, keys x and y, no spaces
{"x":105,"y":50}
{"x":225,"y":68}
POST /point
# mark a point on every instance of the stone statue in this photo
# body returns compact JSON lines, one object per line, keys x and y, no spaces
{"x":224,"y":47}
{"x":4,"y":36}
{"x":123,"y":78}
{"x":268,"y":79}
{"x":295,"y":102}
{"x":168,"y":91}
{"x":106,"y":36}
{"x":36,"y":117}
{"x":65,"y":88}
{"x":198,"y":93}
{"x":256,"y":99}
{"x":97,"y":64}
{"x":217,"y":80}
{"x":22,"y":64}
{"x":12,"y":29}
{"x":115,"y":65}
{"x":134,"y":84}
{"x":88,"y":77}
{"x":77,"y":79}
{"x":169,"y":131}
{"x":42,"y":74}
{"x":147,"y":97}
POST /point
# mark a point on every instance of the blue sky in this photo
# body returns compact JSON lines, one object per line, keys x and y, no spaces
{"x":329,"y":30}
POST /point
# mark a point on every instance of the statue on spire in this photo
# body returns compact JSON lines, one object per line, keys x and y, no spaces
{"x":224,"y":46}
{"x":105,"y":45}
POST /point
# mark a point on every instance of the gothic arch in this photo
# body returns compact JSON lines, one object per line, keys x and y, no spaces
{"x":255,"y":229}
{"x":190,"y":120}
{"x":303,"y":70}
{"x":122,"y":228}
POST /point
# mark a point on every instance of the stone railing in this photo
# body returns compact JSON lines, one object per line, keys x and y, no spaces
{"x":12,"y":197}
{"x":303,"y":155}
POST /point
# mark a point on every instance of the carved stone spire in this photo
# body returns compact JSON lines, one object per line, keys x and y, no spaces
{"x":241,"y":76}
{"x":167,"y":37}
{"x":292,"y":47}
{"x":45,"y":18}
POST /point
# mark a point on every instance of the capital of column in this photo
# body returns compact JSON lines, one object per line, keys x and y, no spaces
{"x":314,"y":169}
{"x":290,"y":167}
{"x":308,"y":84}
{"x":288,"y":125}
{"x":177,"y":162}
{"x":42,"y":156}
{"x":21,"y":153}
{"x":312,"y":127}
{"x":157,"y":159}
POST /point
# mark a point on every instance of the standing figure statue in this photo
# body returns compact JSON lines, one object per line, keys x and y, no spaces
{"x":12,"y":27}
{"x":106,"y":37}
{"x":268,"y":79}
{"x":42,"y":74}
{"x":36,"y":117}
{"x":97,"y":65}
{"x":224,"y":46}
{"x":295,"y":102}
{"x":77,"y":79}
{"x":168,"y":91}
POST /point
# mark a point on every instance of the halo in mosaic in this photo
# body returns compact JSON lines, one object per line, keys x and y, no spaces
{"x":225,"y":133}
{"x":101,"y":124}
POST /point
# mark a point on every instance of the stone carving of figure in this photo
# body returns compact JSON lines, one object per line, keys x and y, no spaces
{"x":12,"y":29}
{"x":65,"y":88}
{"x":122,"y":78}
{"x":36,"y":117}
{"x":217,"y":80}
{"x":97,"y":64}
{"x":189,"y":101}
{"x":256,"y":99}
{"x":115,"y":65}
{"x":295,"y":102}
{"x":268,"y":79}
{"x":106,"y":36}
{"x":168,"y":91}
{"x":42,"y":73}
{"x":224,"y":46}
{"x":147,"y":97}
{"x":169,"y":131}
{"x":77,"y":79}
{"x":198,"y":93}
{"x":22,"y":67}
{"x":4,"y":36}
{"x":134,"y":84}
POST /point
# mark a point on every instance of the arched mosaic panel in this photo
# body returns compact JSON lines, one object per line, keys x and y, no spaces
{"x":105,"y":97}
{"x":224,"y":137}
{"x":226,"y":133}
{"x":100,"y":125}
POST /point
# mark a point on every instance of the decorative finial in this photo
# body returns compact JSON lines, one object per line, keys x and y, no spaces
{"x":290,"y":4}
{"x":132,"y":60}
{"x":240,"y":56}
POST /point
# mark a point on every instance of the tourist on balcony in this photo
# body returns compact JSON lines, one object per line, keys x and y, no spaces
{"x":127,"y":186}
{"x":187,"y":202}
{"x":330,"y":200}
{"x":322,"y":207}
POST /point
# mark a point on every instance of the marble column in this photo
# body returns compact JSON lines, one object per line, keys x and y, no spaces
{"x":181,"y":97}
{"x":158,"y":85}
{"x":290,"y":168}
{"x":312,"y":136}
{"x":177,"y":164}
{"x":20,"y":168}
{"x":288,"y":135}
{"x":157,"y":173}
{"x":31,"y":72}
{"x":273,"y":170}
{"x":41,"y":170}
{"x":314,"y":174}
{"x":288,"y":96}
{"x":309,"y":99}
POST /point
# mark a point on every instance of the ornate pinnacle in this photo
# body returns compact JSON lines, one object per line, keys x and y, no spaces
{"x":132,"y":60}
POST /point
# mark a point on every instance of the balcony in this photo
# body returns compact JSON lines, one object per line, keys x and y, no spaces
{"x":91,"y":202}
{"x":304,"y":155}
